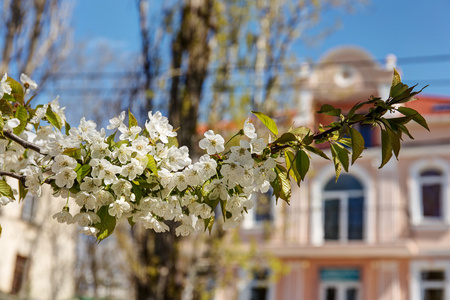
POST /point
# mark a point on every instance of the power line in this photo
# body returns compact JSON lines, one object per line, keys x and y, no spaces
{"x":409,"y":60}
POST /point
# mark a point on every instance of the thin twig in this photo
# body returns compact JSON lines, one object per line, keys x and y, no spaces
{"x":27,"y":145}
{"x":22,"y":178}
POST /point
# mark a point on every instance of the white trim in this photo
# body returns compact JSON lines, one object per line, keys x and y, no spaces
{"x":415,"y":191}
{"x":319,"y":182}
{"x":415,"y":287}
{"x":341,"y":287}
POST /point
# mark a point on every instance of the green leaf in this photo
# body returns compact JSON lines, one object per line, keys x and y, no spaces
{"x":110,"y":139}
{"x":270,"y":124}
{"x":285,"y":138}
{"x":22,"y":191}
{"x":73,"y":152}
{"x":6,"y":190}
{"x":132,"y":120}
{"x":386,"y":149}
{"x":53,"y":118}
{"x":66,"y":127}
{"x":353,"y":110}
{"x":2,"y":124}
{"x":317,"y":151}
{"x":282,"y":185}
{"x":301,"y":131}
{"x":337,"y":164}
{"x":151,"y":165}
{"x":291,"y":166}
{"x":415,"y":116}
{"x":173,"y":141}
{"x":0,"y":230}
{"x":107,"y":224}
{"x":341,"y":154}
{"x":302,"y":163}
{"x":22,"y":116}
{"x":405,"y":130}
{"x":6,"y":108}
{"x":357,"y":144}
{"x":330,"y":110}
{"x":137,"y":192}
{"x":394,"y":140}
{"x":130,"y":221}
{"x":17,"y":90}
{"x":82,"y":172}
{"x":396,"y":79}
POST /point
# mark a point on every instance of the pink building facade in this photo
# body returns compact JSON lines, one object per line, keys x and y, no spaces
{"x":376,"y":234}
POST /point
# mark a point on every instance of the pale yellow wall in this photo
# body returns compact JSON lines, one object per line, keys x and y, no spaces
{"x":50,"y":247}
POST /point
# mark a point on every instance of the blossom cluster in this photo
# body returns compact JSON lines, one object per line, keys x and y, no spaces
{"x":137,"y":173}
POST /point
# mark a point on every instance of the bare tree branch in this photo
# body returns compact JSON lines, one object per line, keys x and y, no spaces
{"x":26,"y":144}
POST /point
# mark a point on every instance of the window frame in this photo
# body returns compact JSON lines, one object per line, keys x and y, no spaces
{"x":317,"y":234}
{"x":250,"y":221}
{"x":417,"y":287}
{"x":415,"y":193}
{"x":341,"y":285}
{"x":29,"y":209}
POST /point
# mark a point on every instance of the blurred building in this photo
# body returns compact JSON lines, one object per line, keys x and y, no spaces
{"x":37,"y":254}
{"x":376,"y":234}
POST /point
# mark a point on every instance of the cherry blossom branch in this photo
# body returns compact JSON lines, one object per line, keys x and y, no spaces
{"x":21,"y":178}
{"x":26,"y":144}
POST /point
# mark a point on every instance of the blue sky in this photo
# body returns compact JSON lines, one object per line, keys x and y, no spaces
{"x":405,"y":28}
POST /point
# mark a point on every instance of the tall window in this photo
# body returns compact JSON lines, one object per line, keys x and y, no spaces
{"x":260,"y":286}
{"x":432,"y":284}
{"x":340,"y":284}
{"x":431,"y":185}
{"x":343,"y":209}
{"x":20,"y":272}
{"x":29,"y":208}
{"x":428,"y":190}
{"x":430,"y":280}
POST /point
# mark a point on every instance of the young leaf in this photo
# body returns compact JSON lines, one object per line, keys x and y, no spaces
{"x":357,"y":144}
{"x":66,"y":127}
{"x":317,"y":151}
{"x":132,"y":120}
{"x":173,"y":141}
{"x":73,"y":152}
{"x":285,"y":138}
{"x":106,"y":225}
{"x":137,"y":192}
{"x":151,"y":165}
{"x":16,"y":90}
{"x":330,"y":110}
{"x":394,"y":139}
{"x":6,"y":190}
{"x":53,"y":118}
{"x":22,"y":191}
{"x":415,"y":116}
{"x":83,"y":172}
{"x":282,"y":185}
{"x":386,"y":149}
{"x":341,"y":154}
{"x":22,"y":116}
{"x":302,"y":163}
{"x":270,"y":124}
{"x":290,"y":158}
{"x":337,"y":165}
{"x":110,"y":139}
{"x":5,"y":108}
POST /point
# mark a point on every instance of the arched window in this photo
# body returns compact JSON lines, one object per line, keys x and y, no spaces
{"x":431,"y":187}
{"x":343,"y":209}
{"x":428,"y":189}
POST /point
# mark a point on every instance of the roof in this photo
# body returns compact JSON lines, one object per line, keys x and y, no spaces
{"x":431,"y":105}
